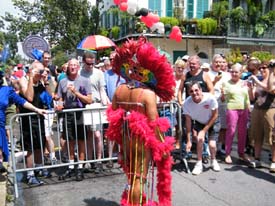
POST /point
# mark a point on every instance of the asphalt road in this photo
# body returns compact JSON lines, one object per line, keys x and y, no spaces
{"x":235,"y":185}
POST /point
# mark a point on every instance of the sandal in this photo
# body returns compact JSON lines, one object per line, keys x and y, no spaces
{"x":228,"y":159}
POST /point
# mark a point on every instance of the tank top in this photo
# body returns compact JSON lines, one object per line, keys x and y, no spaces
{"x":198,"y":78}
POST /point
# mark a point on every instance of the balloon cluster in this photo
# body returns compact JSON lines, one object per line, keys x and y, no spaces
{"x":150,"y":19}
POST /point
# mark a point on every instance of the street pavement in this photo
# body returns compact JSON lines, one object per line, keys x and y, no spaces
{"x":235,"y":185}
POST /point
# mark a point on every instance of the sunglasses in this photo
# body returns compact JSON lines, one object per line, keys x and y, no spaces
{"x":89,"y":64}
{"x":265,"y":67}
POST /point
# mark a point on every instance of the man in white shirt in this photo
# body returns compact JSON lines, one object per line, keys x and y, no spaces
{"x":201,"y":111}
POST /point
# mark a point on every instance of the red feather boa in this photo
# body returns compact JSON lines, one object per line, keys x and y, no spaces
{"x":143,"y":128}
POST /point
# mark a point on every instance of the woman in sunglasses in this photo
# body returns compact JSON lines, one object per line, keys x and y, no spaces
{"x":264,"y":110}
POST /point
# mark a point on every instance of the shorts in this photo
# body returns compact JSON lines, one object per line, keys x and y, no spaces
{"x":33,"y":135}
{"x":72,"y":129}
{"x":262,"y":125}
{"x":10,"y":111}
{"x":211,"y":134}
{"x":48,"y":122}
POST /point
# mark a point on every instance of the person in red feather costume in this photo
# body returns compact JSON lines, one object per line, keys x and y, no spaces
{"x":135,"y":125}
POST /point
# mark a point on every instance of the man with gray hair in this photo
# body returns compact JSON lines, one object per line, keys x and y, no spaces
{"x":218,"y":76}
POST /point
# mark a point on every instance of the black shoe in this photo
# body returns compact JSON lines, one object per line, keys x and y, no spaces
{"x":2,"y":168}
{"x":79,"y":175}
{"x":110,"y":164}
{"x":205,"y":160}
{"x":99,"y":168}
{"x":68,"y":173}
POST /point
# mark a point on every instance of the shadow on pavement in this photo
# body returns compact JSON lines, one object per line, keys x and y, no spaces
{"x":257,"y":173}
{"x":99,"y":201}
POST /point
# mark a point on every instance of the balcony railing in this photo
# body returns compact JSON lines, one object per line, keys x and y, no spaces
{"x":251,"y":32}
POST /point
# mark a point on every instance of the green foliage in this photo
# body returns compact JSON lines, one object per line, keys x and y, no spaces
{"x":219,"y":11}
{"x":169,"y":20}
{"x":140,"y":27}
{"x":268,"y":19}
{"x":263,"y":55}
{"x":115,"y":32}
{"x":254,"y":11}
{"x":207,"y":26}
{"x":60,"y":58}
{"x":103,"y":32}
{"x":238,"y":16}
{"x":235,"y":56}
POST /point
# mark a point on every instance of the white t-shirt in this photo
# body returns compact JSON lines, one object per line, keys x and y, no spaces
{"x":201,"y":111}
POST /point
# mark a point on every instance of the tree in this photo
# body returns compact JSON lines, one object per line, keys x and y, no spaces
{"x":60,"y":22}
{"x":219,"y":11}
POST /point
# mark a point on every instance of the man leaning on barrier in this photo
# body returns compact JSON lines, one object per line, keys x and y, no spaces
{"x":75,"y":91}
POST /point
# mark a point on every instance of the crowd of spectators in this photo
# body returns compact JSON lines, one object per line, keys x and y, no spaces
{"x":216,"y":99}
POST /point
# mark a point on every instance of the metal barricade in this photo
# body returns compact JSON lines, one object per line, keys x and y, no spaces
{"x":172,"y":110}
{"x":90,"y":119}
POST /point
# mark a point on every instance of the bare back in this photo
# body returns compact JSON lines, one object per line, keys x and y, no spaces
{"x":145,"y":96}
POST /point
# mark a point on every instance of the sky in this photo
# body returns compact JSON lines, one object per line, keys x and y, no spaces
{"x":6,"y":6}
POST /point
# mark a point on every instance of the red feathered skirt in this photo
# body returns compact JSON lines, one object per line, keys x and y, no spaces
{"x":137,"y":137}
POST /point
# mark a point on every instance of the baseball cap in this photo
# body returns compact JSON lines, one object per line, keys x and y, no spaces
{"x":185,"y":57}
{"x":205,"y":66}
{"x":101,"y":64}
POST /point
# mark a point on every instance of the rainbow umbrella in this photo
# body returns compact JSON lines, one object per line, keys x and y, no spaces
{"x":95,"y":42}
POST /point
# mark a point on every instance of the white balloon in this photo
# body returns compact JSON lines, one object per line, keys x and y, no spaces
{"x":160,"y":27}
{"x":132,"y":4}
{"x":154,"y":27}
{"x":161,"y":31}
{"x":131,"y":11}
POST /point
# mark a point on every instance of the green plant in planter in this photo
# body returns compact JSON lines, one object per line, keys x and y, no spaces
{"x":235,"y":56}
{"x":207,"y":26}
{"x":115,"y":32}
{"x":263,"y":55}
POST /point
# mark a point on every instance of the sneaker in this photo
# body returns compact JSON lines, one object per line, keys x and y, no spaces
{"x":54,"y":161}
{"x":272,"y":167}
{"x":198,"y":168}
{"x":215,"y":165}
{"x":43,"y":173}
{"x":255,"y":164}
{"x":32,"y":180}
{"x":221,"y":152}
{"x":79,"y":175}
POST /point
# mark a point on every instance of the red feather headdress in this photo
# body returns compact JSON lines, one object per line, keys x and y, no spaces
{"x":140,"y":61}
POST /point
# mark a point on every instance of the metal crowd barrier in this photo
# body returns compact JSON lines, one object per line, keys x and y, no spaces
{"x":95,"y":115}
{"x":173,"y":112}
{"x":92,"y":116}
